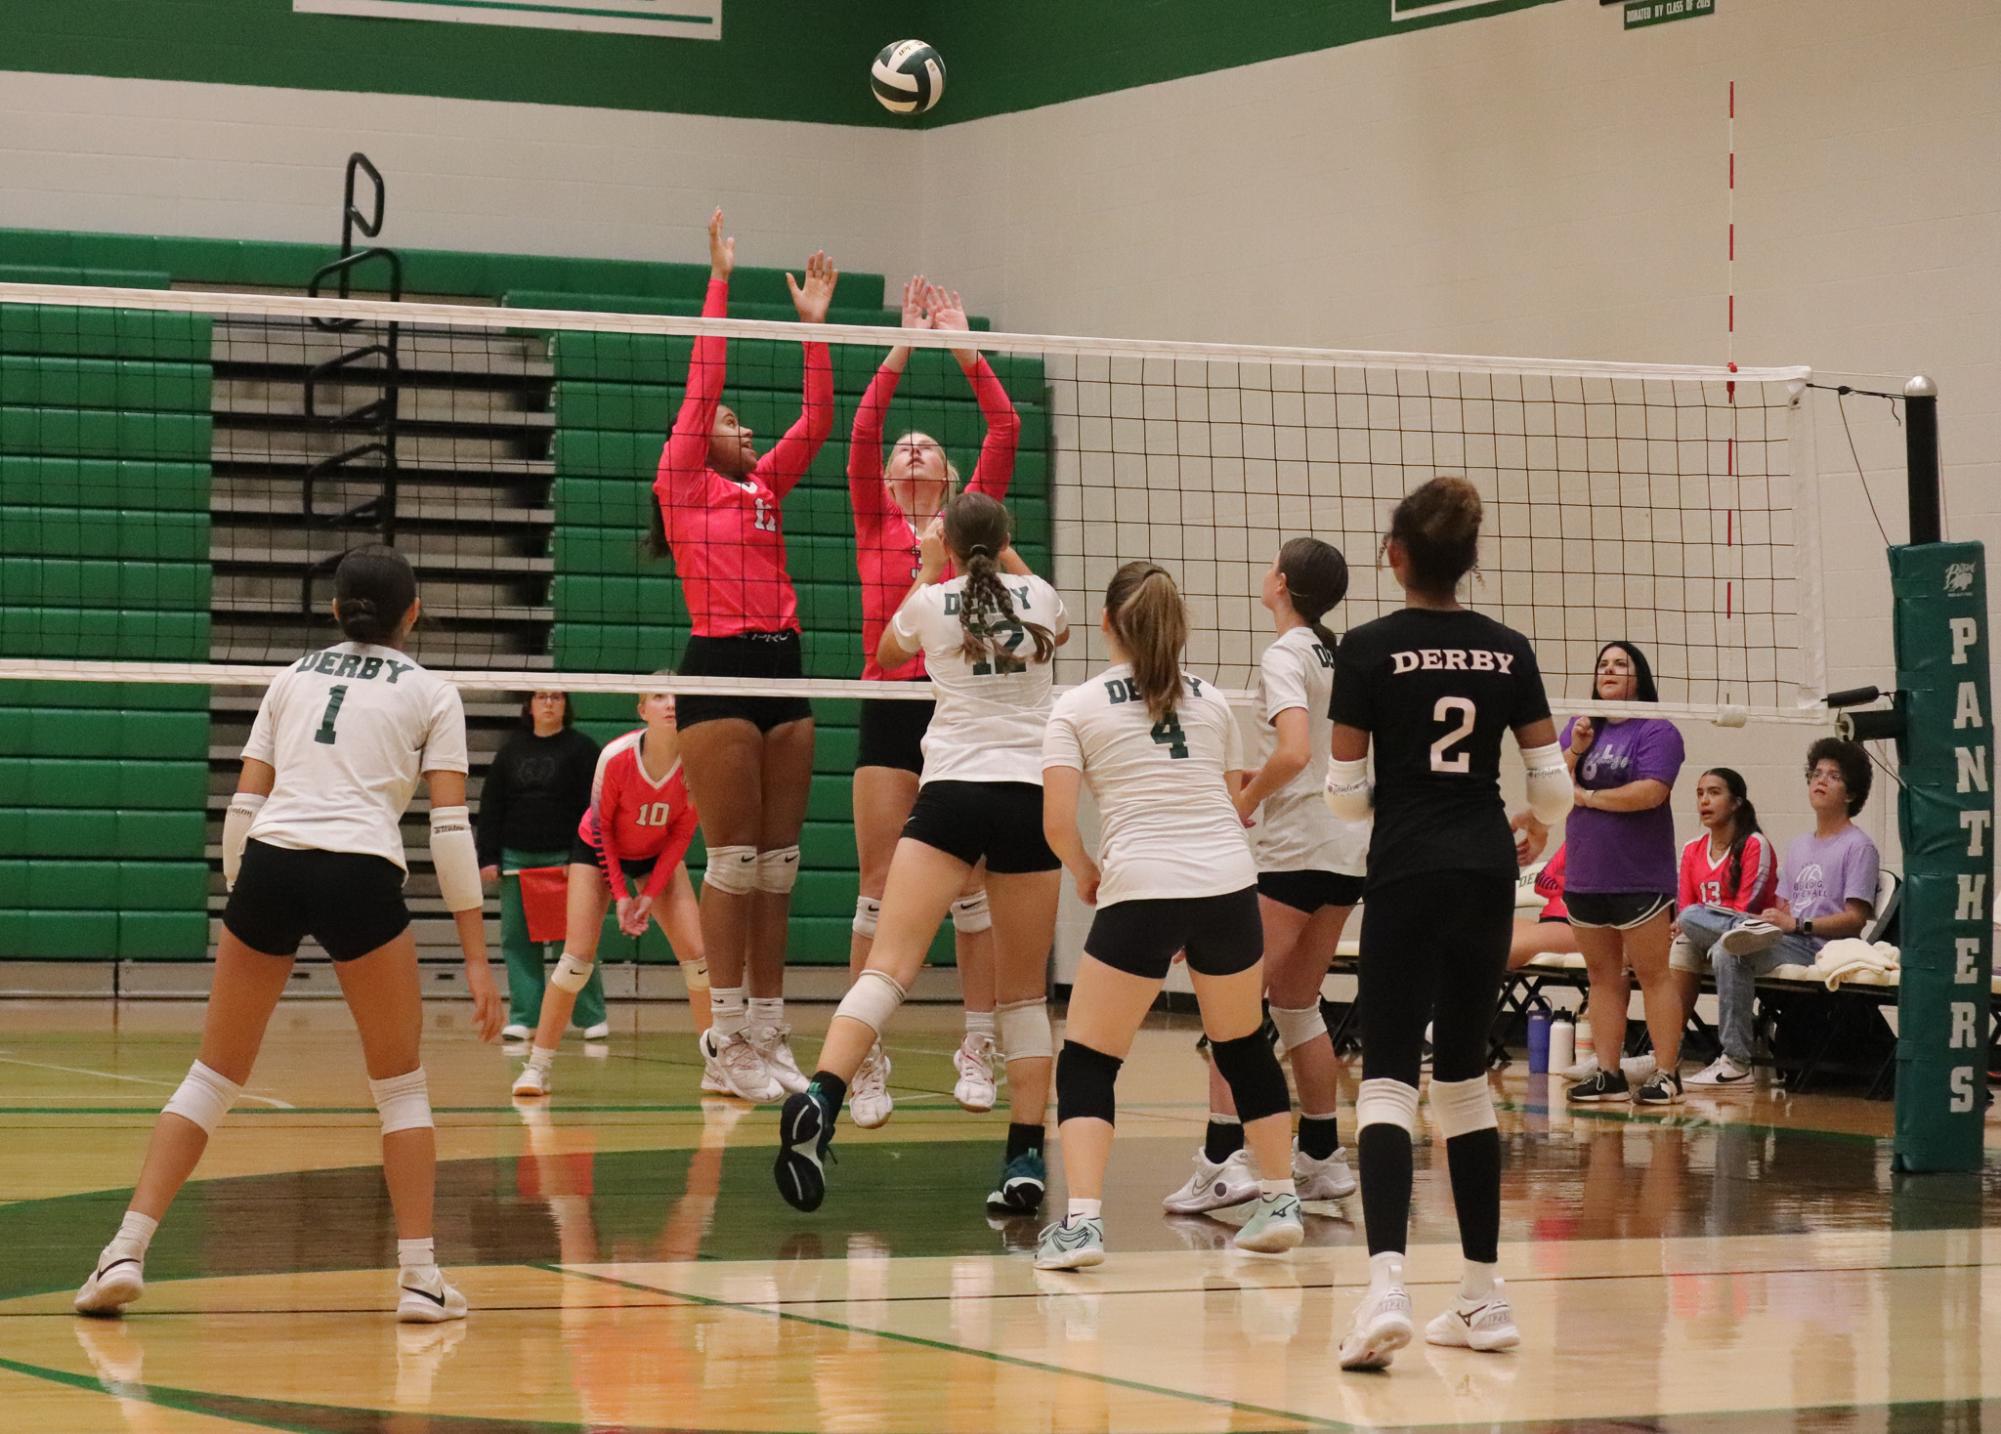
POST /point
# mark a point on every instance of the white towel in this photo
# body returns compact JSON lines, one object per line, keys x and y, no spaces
{"x":1852,"y":956}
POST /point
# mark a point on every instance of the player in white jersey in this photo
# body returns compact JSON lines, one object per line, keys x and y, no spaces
{"x":987,"y":638}
{"x":1162,"y":755}
{"x":311,"y":847}
{"x":1310,"y":870}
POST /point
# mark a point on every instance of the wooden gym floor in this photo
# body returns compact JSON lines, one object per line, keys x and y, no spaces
{"x":1746,"y":1263}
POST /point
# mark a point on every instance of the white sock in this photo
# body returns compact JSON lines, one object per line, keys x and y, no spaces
{"x":135,"y":1233}
{"x":1385,"y":1270}
{"x":1084,"y":1210}
{"x":726,"y":1012}
{"x":1269,"y":1188}
{"x":1476,"y":1282}
{"x":980,"y":1023}
{"x":767,"y":1011}
{"x":416,"y":1254}
{"x":541,"y":1058}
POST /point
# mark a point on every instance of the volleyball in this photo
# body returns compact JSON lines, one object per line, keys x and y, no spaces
{"x":908,"y":77}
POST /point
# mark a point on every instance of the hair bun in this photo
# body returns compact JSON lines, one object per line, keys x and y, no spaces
{"x":358,"y":607}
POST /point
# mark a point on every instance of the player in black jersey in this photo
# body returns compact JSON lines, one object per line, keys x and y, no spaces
{"x":1434,"y":686}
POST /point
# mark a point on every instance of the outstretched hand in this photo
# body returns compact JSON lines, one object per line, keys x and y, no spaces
{"x":813,"y":298}
{"x":916,"y":313}
{"x":948,"y":315}
{"x":722,"y":250}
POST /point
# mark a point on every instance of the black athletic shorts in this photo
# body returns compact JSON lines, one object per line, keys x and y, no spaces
{"x":999,"y":823}
{"x":892,"y":735}
{"x":1221,"y":934}
{"x":747,"y":654}
{"x":1617,"y":910}
{"x":582,"y":853}
{"x":1308,"y":891}
{"x":348,"y":902}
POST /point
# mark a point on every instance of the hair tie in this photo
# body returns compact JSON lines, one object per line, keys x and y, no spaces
{"x":979,"y":550}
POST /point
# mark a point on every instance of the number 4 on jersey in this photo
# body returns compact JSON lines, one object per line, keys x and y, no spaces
{"x":1169,"y":734}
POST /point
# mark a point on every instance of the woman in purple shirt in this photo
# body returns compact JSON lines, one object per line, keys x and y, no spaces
{"x":1619,"y":880}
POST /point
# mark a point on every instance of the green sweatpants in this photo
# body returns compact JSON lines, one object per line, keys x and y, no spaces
{"x":527,"y":960}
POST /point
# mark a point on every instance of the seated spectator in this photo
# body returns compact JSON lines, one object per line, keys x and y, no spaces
{"x":1729,"y":871}
{"x":1826,"y":890}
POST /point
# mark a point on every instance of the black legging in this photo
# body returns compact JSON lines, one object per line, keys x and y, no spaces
{"x":1434,"y":948}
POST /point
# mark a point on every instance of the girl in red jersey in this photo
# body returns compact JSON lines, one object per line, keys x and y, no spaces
{"x":892,"y":506}
{"x":749,"y":760}
{"x":636,"y":830}
{"x":1549,"y":930}
{"x":1730,"y":867}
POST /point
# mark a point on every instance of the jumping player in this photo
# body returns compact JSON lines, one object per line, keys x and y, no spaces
{"x":892,"y":506}
{"x":311,"y":847}
{"x":1434,"y":687}
{"x":749,"y":760}
{"x":1162,"y":755}
{"x":987,"y":637}
{"x":636,"y":830}
{"x":1310,"y":868}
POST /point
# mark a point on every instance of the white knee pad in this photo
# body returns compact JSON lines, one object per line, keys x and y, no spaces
{"x":732,"y":869}
{"x":404,"y":1101}
{"x":1298,"y":1024}
{"x":1022,"y":1030}
{"x":778,"y":870}
{"x":1387,"y":1102}
{"x":204,"y":1097}
{"x":1462,"y":1106}
{"x":696,"y":974}
{"x":868,"y":911}
{"x":872,"y":1000}
{"x":572,"y":972}
{"x":970,"y":915}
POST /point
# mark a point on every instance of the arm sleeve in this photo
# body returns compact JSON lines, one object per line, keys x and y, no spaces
{"x":445,"y":740}
{"x":790,"y":457}
{"x":679,"y":834}
{"x":1060,"y":747}
{"x":1755,"y":876}
{"x":1864,"y":866}
{"x":865,"y":483}
{"x":605,"y":803}
{"x":686,"y":456}
{"x":906,"y":623}
{"x":1531,"y":700}
{"x":1685,"y":887}
{"x":1350,"y":703}
{"x":262,"y":744}
{"x":995,"y":470}
{"x":493,"y":807}
{"x":1284,"y":681}
{"x":1233,"y":739}
{"x":1059,"y":622}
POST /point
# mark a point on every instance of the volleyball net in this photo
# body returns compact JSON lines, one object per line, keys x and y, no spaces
{"x":181,"y":471}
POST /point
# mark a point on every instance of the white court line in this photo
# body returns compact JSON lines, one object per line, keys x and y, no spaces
{"x":14,"y":1060}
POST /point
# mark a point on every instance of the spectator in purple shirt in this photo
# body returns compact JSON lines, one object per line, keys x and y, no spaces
{"x":1827,"y":889}
{"x":1621,"y":873}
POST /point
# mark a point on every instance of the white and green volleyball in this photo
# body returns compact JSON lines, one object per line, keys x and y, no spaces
{"x":908,"y":77}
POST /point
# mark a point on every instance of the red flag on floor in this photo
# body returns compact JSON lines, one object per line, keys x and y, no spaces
{"x":545,"y":895}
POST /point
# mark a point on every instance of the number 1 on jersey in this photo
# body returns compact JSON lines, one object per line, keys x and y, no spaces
{"x":763,"y":519}
{"x":1443,"y":712}
{"x":335,"y":697}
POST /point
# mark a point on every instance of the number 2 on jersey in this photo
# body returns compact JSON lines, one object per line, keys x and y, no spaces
{"x":1444,"y":712}
{"x":335,"y":697}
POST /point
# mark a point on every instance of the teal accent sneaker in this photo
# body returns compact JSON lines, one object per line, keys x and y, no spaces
{"x":1275,"y":1225}
{"x":1071,"y":1245}
{"x":1022,"y":1182}
{"x":805,"y":1136}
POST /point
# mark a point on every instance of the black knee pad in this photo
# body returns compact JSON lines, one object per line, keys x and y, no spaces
{"x":1255,"y":1081}
{"x":1085,"y":1082}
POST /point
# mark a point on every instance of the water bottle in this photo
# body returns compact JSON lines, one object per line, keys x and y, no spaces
{"x":1562,"y":1042}
{"x":1538,"y":1043}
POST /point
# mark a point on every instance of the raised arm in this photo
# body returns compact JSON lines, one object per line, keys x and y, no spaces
{"x":995,"y":470}
{"x":687,"y":452}
{"x":781,"y":469}
{"x":865,"y":485}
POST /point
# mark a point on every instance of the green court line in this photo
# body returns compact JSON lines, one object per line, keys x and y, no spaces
{"x":993,"y":1356}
